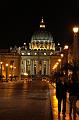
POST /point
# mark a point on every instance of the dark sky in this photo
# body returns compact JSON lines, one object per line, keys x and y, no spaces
{"x":19,"y":19}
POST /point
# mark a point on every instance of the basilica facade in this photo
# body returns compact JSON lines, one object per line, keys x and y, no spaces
{"x":41,"y":56}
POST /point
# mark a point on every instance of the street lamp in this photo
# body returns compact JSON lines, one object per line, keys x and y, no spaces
{"x":66,"y":53}
{"x":65,"y":60}
{"x":75,"y":29}
{"x":6,"y":72}
{"x":62,"y":55}
{"x":59,"y":60}
{"x":66,"y":47}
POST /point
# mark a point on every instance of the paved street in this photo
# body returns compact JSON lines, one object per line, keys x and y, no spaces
{"x":24,"y":101}
{"x":29,"y":101}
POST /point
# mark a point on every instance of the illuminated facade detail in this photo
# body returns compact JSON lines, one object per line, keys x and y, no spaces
{"x":42,"y":40}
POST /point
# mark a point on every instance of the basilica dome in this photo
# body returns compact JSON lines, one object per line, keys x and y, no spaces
{"x":41,"y":36}
{"x":42,"y":39}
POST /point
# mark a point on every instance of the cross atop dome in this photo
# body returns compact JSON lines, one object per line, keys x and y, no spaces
{"x":42,"y":24}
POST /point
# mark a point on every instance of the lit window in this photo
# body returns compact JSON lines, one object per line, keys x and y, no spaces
{"x":51,"y":53}
{"x":42,"y":26}
{"x":22,"y":53}
{"x":35,"y":53}
{"x":28,"y":53}
{"x":24,"y":43}
{"x":44,"y":53}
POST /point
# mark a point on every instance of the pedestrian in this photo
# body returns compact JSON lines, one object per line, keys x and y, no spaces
{"x":61,"y":89}
{"x":73,"y":91}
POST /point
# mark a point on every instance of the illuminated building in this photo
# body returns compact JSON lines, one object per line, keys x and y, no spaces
{"x":11,"y":61}
{"x":41,"y":56}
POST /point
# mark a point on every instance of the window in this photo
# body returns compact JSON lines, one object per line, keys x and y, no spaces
{"x":28,"y":53}
{"x":22,"y":53}
{"x":35,"y":53}
{"x":44,"y":53}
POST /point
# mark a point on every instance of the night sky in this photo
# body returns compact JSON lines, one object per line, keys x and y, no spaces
{"x":19,"y":20}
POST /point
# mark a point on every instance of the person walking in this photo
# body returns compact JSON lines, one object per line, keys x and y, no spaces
{"x":61,"y":89}
{"x":73,"y":91}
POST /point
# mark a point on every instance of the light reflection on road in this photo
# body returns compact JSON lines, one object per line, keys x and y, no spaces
{"x":24,"y":100}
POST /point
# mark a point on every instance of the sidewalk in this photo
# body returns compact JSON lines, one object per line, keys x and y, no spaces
{"x":77,"y":104}
{"x":54,"y":105}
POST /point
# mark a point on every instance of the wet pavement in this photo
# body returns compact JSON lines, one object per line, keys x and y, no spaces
{"x":54,"y":104}
{"x":24,"y":101}
{"x":34,"y":100}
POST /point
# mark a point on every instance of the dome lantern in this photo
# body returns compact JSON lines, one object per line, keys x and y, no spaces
{"x":42,"y":24}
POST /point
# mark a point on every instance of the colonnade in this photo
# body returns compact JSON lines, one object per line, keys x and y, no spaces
{"x":37,"y":66}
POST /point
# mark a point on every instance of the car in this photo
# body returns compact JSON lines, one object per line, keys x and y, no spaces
{"x":44,"y":79}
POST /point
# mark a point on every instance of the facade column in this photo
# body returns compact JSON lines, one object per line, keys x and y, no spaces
{"x":37,"y":69}
{"x":46,"y":67}
{"x":20,"y":72}
{"x":24,"y":66}
{"x":33,"y":68}
{"x":6,"y":72}
{"x":42,"y":67}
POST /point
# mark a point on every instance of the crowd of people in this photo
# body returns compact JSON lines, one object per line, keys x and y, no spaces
{"x":62,"y":87}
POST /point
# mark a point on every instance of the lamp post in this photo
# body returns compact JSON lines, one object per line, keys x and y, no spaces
{"x":65,"y":60}
{"x":6,"y":72}
{"x":1,"y":69}
{"x":75,"y":50}
{"x":59,"y":60}
{"x":75,"y":44}
{"x":61,"y":56}
{"x":11,"y":71}
{"x":66,"y":54}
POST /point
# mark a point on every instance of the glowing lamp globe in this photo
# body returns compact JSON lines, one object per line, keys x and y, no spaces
{"x":75,"y":29}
